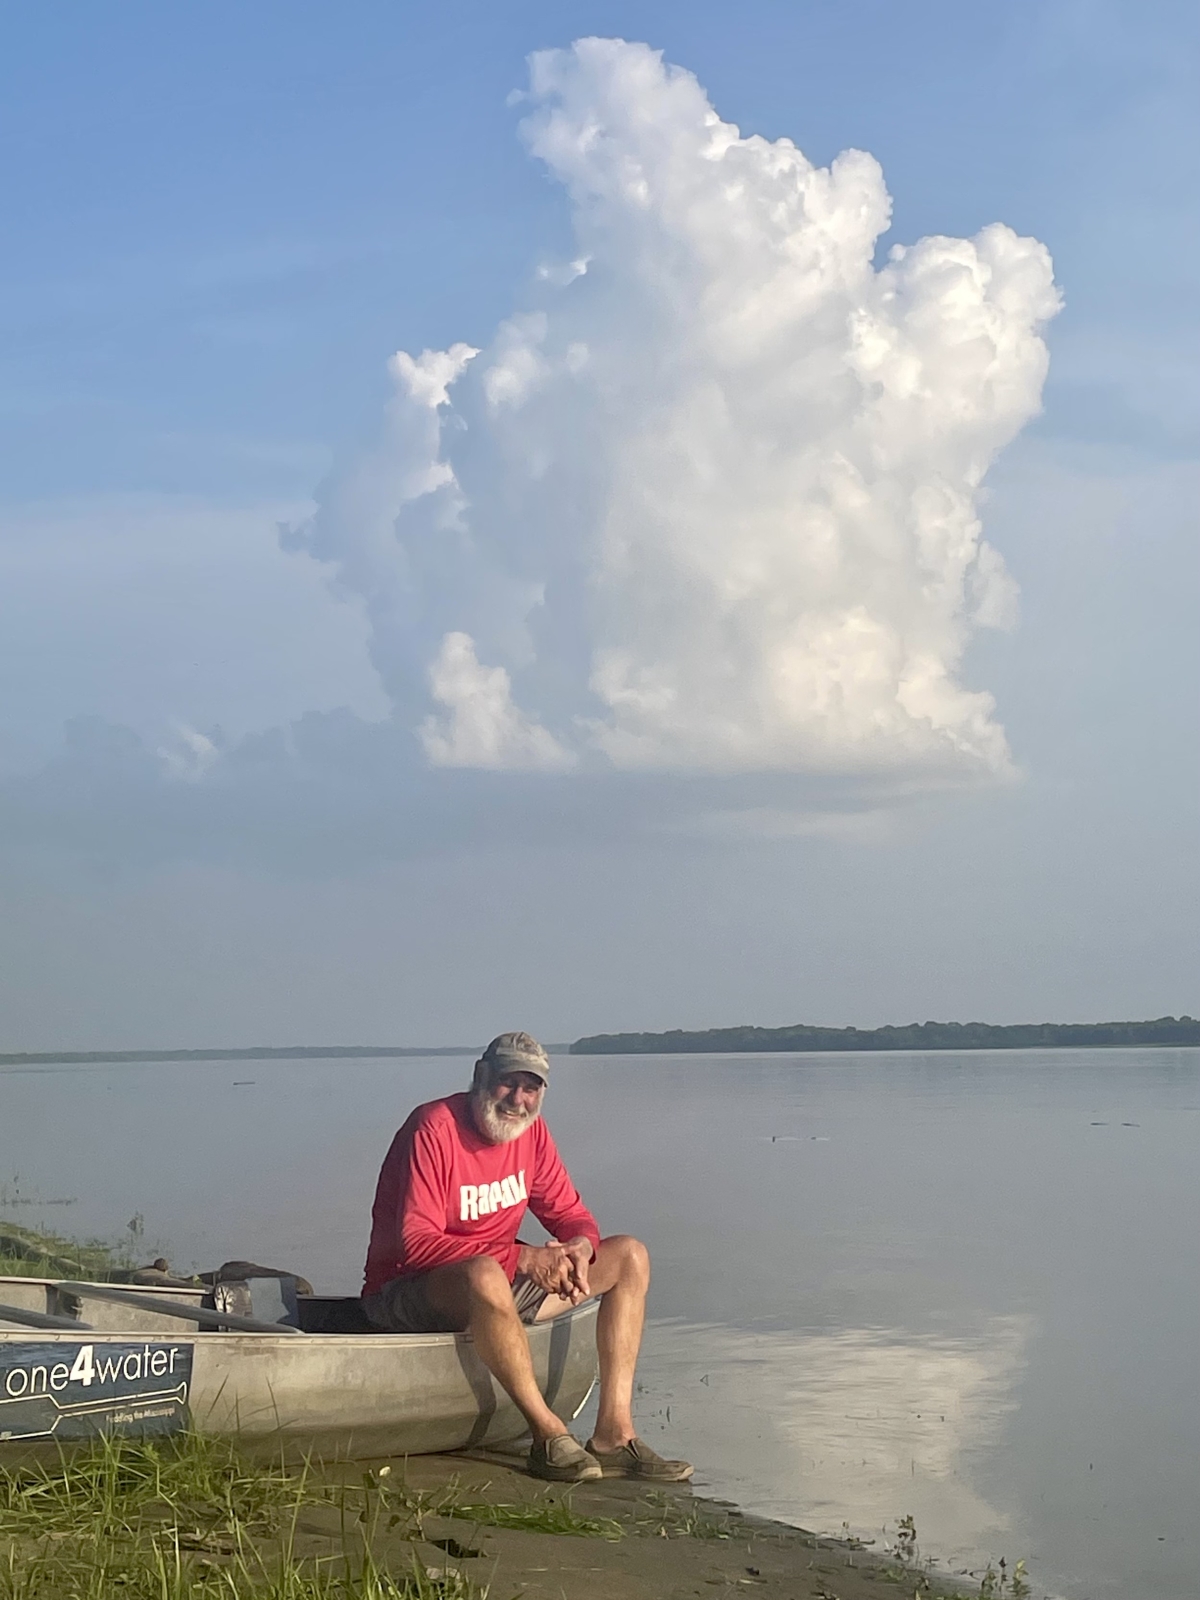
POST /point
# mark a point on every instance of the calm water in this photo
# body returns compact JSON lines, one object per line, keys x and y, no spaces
{"x":964,"y":1288}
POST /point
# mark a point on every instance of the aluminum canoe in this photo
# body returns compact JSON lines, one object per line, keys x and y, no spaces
{"x":131,"y":1370}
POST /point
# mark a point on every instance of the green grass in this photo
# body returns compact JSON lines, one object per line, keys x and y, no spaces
{"x":37,"y":1253}
{"x":119,"y":1487}
{"x":144,"y":1571}
{"x":541,"y":1516}
{"x":385,"y":1496}
{"x":160,"y":1520}
{"x":188,"y":1517}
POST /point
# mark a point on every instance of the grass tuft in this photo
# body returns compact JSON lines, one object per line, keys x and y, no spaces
{"x":118,"y":1487}
{"x":153,"y":1520}
{"x":541,"y":1516}
{"x":664,"y":1516}
{"x":148,"y":1572}
{"x":37,"y":1253}
{"x":392,"y":1498}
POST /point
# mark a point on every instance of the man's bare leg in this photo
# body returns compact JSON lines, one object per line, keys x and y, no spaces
{"x":620,"y":1275}
{"x":477,"y":1296}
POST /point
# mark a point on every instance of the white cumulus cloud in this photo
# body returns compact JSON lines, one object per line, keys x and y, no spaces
{"x":191,"y":754}
{"x":481,"y":727}
{"x":709,"y":502}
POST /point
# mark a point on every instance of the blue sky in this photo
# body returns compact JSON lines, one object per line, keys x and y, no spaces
{"x":220,"y":224}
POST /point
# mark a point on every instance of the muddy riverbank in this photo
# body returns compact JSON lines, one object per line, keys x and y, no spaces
{"x":190,"y":1517}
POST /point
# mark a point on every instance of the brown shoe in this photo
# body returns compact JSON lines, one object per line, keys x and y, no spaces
{"x":563,"y":1460}
{"x":637,"y":1460}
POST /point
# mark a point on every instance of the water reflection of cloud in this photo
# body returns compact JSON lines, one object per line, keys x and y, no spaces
{"x":861,"y":1427}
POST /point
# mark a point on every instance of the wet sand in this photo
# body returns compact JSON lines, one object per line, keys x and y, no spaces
{"x":673,"y":1545}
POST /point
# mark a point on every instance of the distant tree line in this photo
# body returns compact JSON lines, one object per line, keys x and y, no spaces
{"x":288,"y":1052}
{"x":911,"y":1036}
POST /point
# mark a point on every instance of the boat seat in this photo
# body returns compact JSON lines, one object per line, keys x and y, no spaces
{"x":243,"y":1271}
{"x":329,"y":1314}
{"x":271,"y":1299}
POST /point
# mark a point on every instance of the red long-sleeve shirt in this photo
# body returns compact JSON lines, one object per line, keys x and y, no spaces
{"x":445,"y":1194}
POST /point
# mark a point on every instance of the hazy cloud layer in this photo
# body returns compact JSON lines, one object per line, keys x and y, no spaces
{"x":167,"y":613}
{"x":709,"y":503}
{"x":332,"y":792}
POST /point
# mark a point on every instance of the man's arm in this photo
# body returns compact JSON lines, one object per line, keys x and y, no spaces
{"x":556,"y":1203}
{"x":422,"y":1206}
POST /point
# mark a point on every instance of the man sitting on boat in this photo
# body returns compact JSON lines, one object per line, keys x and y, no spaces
{"x":444,"y":1257}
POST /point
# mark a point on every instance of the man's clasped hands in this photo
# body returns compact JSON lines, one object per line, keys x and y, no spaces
{"x":560,"y":1268}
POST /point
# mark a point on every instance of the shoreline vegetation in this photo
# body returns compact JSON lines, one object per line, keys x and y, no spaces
{"x":800,"y":1038}
{"x":191,"y":1516}
{"x":38,"y":1253}
{"x":286,"y":1052}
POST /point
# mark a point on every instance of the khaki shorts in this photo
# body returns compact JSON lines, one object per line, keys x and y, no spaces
{"x":402,"y":1307}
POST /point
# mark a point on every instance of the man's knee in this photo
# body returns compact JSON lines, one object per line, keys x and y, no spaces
{"x":630,"y":1256}
{"x":485,"y":1279}
{"x":460,"y":1289}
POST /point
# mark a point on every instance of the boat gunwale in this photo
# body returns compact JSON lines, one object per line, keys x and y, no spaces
{"x":373,"y":1340}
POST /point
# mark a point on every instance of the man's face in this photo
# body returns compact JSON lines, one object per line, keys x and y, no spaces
{"x":506,"y":1105}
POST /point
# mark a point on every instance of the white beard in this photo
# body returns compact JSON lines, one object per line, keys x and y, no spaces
{"x":495,"y":1128}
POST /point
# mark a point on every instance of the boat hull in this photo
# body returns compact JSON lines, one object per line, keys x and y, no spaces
{"x":324,"y":1394}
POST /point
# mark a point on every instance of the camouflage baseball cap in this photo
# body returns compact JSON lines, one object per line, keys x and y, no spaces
{"x":516,"y":1052}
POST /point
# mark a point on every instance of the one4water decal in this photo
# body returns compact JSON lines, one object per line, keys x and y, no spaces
{"x":68,"y":1390}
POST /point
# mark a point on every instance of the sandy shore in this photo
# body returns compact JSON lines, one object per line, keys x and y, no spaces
{"x":672,"y":1545}
{"x":196,"y":1517}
